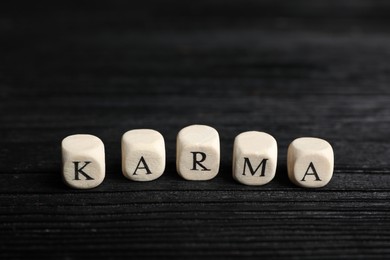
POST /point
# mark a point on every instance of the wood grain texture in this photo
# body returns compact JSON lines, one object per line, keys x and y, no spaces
{"x":301,"y":68}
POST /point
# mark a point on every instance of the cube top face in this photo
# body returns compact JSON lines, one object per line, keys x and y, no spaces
{"x":310,"y":144}
{"x":83,"y":161}
{"x":254,"y":158}
{"x":199,"y":135}
{"x":310,"y":162}
{"x":143,"y":155}
{"x":142,"y":137}
{"x":81,"y":143}
{"x":198,"y":153}
{"x":254,"y":142}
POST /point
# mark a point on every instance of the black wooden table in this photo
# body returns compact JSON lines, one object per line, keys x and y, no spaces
{"x":289,"y":68}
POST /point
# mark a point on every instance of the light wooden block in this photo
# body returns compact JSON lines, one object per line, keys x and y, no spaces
{"x":255,"y":157}
{"x":198,"y":153}
{"x":83,"y":161}
{"x":310,"y":162}
{"x":143,"y":155}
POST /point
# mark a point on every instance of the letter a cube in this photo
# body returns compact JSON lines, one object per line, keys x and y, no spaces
{"x":254,"y":158}
{"x":310,"y":162}
{"x":143,"y":155}
{"x":198,"y":153}
{"x":83,"y":161}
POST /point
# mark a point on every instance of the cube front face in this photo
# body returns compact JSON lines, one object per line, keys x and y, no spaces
{"x":254,"y":158}
{"x":143,"y":155}
{"x":198,"y":153}
{"x":310,"y":162}
{"x":83,"y":161}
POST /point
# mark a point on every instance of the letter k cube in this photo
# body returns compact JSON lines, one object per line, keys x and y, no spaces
{"x":83,"y":161}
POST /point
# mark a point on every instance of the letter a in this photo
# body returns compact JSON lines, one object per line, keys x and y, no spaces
{"x":78,"y":170}
{"x":253,"y":172}
{"x":145,"y":166}
{"x":314,"y":172}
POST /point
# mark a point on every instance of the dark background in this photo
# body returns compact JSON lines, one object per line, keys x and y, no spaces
{"x":289,"y":68}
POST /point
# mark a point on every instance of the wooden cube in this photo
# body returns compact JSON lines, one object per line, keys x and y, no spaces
{"x":83,"y":161}
{"x":143,"y":155}
{"x":310,"y":162}
{"x":198,"y":153}
{"x":254,"y":158}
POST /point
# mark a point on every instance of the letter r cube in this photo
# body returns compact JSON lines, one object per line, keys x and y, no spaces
{"x":198,"y":153}
{"x":83,"y":161}
{"x":254,"y":158}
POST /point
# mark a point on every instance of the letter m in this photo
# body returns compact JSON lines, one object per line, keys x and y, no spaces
{"x":262,"y":165}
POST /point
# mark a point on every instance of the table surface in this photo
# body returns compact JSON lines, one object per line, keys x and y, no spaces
{"x":292,"y":69}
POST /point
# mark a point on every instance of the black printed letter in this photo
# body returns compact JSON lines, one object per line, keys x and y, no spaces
{"x":145,"y":166}
{"x":78,"y":170}
{"x":198,"y":162}
{"x":314,"y":172}
{"x":253,"y":172}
